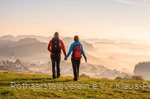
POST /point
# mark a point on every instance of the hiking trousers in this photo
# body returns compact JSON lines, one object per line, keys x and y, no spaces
{"x":55,"y":59}
{"x":75,"y":66}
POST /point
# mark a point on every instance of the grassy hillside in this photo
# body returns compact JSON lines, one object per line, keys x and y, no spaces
{"x":31,"y":86}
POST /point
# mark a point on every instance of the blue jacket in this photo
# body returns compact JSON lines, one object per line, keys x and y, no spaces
{"x":71,"y":49}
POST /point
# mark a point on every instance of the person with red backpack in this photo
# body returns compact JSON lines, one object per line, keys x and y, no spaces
{"x":77,"y":51}
{"x":54,"y":47}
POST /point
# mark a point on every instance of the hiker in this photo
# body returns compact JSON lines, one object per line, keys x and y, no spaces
{"x":54,"y":47}
{"x":77,"y":51}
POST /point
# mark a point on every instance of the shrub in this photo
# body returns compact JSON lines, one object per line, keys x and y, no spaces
{"x":127,"y":77}
{"x":139,"y":77}
{"x":84,"y":76}
{"x":118,"y":78}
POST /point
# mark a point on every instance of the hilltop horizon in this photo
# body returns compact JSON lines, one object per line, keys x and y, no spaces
{"x":123,"y":39}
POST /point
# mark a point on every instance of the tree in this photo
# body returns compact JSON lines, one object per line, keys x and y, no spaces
{"x":143,"y":69}
{"x":18,"y":62}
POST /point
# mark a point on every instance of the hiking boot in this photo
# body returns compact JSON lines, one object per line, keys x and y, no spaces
{"x":58,"y":76}
{"x":54,"y":77}
{"x":75,"y":79}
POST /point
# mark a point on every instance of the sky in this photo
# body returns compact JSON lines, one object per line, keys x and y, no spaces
{"x":87,"y":18}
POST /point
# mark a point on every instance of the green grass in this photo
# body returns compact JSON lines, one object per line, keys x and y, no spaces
{"x":43,"y":87}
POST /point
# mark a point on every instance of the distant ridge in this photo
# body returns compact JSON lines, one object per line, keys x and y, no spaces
{"x":17,"y":38}
{"x":8,"y":37}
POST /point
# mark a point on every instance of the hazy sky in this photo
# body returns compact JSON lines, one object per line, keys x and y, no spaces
{"x":88,"y":18}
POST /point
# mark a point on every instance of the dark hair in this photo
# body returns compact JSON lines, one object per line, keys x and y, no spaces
{"x":76,"y":38}
{"x":56,"y":34}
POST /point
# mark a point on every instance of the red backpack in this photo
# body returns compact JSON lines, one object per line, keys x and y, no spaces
{"x":77,"y":52}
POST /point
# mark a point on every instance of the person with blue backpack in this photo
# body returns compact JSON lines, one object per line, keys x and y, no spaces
{"x":77,"y":51}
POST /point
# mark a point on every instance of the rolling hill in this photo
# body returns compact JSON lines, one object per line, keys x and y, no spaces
{"x":17,"y":38}
{"x":33,"y":86}
{"x":32,"y":48}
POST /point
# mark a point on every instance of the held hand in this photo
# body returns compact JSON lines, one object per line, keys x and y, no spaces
{"x":86,"y":60}
{"x":65,"y":58}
